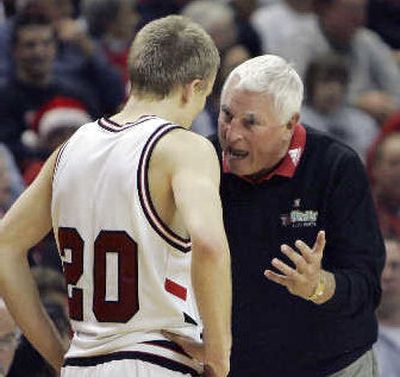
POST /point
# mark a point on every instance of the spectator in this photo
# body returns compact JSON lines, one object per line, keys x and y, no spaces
{"x":113,"y":23}
{"x":78,"y":60}
{"x":287,"y":41}
{"x":12,"y":176}
{"x":11,"y":184}
{"x":8,"y":339}
{"x":53,"y":124}
{"x":374,"y":75}
{"x":247,"y":35}
{"x":34,"y":84}
{"x":216,"y":18}
{"x":388,"y":345}
{"x":326,"y":82}
{"x":53,"y":294}
{"x":385,"y":175}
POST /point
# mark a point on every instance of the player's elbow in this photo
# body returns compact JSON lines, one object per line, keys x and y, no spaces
{"x":210,"y":248}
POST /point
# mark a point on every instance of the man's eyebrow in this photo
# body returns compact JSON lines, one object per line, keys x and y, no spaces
{"x":250,"y":116}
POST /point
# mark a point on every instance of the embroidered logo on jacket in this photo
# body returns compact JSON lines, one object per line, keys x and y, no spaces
{"x":299,"y":218}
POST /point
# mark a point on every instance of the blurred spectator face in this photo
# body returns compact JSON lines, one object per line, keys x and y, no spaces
{"x":245,"y":8}
{"x":328,"y":95}
{"x":8,"y":339}
{"x":386,"y":170}
{"x":123,"y":26}
{"x":234,"y":56}
{"x":65,"y":9}
{"x":223,"y":33}
{"x":342,"y":18}
{"x":34,"y":52}
{"x":391,"y":272}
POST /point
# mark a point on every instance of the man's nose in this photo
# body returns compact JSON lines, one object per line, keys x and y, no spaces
{"x":233,"y":132}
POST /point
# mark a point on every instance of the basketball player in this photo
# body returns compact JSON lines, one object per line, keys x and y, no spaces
{"x":133,"y":201}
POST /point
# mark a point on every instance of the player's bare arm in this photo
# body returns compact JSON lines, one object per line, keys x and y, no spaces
{"x":25,"y":224}
{"x":194,"y":173}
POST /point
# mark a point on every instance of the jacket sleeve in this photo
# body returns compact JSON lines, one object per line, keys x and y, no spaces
{"x":355,"y":250}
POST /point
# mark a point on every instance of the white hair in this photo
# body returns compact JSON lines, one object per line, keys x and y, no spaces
{"x":272,"y":75}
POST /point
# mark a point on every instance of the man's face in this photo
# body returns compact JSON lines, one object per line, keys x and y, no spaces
{"x":387,"y":169}
{"x":8,"y":339}
{"x":34,"y":52}
{"x":391,"y":272}
{"x":342,"y":18}
{"x":250,"y":133}
{"x":328,"y":95}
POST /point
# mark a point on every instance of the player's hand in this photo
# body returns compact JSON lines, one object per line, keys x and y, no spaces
{"x":215,"y":365}
{"x":303,"y":279}
{"x":192,"y":347}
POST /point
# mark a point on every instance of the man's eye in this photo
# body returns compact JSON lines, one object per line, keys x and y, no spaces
{"x":249,"y":123}
{"x":227,"y":116}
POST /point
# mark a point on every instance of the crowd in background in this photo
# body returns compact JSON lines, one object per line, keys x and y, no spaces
{"x":64,"y":63}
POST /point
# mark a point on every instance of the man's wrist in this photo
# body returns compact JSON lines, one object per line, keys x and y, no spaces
{"x":325,"y":288}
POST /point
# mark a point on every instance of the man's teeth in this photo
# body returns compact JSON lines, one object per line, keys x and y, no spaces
{"x":237,"y":153}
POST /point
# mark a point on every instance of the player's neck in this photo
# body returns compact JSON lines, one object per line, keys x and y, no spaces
{"x":168,"y":108}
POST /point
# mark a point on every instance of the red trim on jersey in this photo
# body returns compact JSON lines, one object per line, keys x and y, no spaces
{"x":287,"y":167}
{"x":176,"y":289}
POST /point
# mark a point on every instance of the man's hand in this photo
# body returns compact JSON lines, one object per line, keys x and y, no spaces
{"x":304,"y":278}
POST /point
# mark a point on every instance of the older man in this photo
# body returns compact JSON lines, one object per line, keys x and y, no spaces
{"x":306,"y":248}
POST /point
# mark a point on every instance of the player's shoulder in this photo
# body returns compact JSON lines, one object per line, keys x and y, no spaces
{"x":182,"y":141}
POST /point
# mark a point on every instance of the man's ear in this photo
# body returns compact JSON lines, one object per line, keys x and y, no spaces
{"x":190,"y":89}
{"x":293,"y":121}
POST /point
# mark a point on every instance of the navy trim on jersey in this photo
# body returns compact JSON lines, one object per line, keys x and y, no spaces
{"x":112,"y":126}
{"x":188,"y":319}
{"x":58,"y":158}
{"x":126,"y":355}
{"x":168,"y":345}
{"x":178,"y":242}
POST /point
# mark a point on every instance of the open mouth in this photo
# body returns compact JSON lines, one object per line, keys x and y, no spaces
{"x":236,"y":154}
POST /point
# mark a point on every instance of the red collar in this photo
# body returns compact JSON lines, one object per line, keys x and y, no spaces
{"x":287,"y":167}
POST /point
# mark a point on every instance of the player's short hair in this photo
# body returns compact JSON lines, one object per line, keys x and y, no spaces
{"x":272,"y":75}
{"x":168,"y":53}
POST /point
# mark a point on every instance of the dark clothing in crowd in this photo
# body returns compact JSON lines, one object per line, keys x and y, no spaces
{"x":320,"y":185}
{"x":18,"y":103}
{"x":384,"y":18}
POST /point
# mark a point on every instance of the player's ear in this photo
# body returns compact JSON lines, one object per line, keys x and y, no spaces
{"x":190,"y":89}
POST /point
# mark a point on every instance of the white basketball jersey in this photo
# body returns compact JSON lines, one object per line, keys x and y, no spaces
{"x":128,"y":274}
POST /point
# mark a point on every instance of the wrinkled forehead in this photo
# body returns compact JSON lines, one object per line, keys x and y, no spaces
{"x":237,"y":98}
